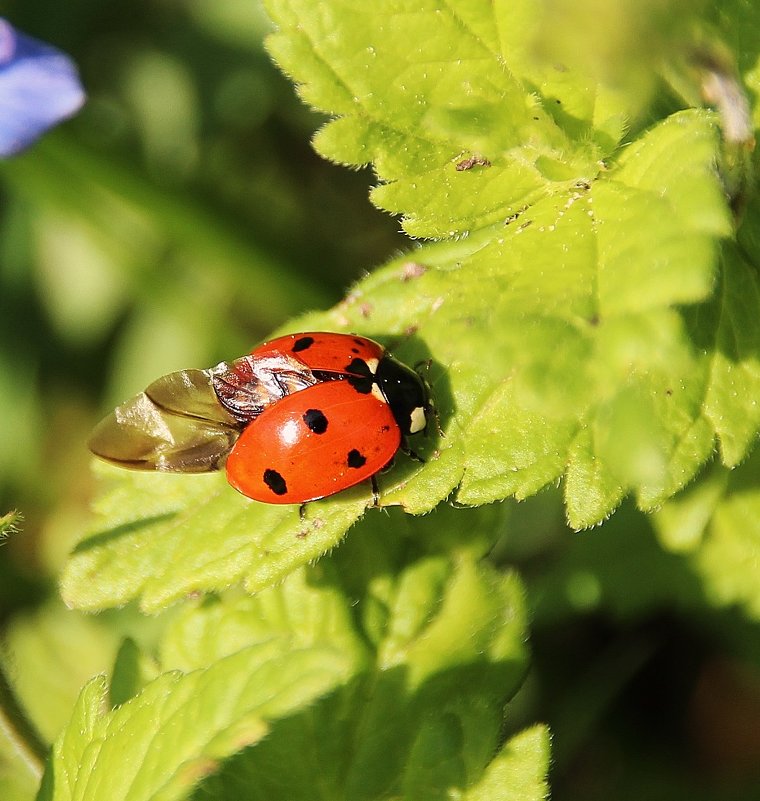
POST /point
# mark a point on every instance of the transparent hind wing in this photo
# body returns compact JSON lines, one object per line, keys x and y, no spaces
{"x":176,"y":425}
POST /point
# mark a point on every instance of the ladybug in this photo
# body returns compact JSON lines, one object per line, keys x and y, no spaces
{"x":335,"y":433}
{"x":301,"y":417}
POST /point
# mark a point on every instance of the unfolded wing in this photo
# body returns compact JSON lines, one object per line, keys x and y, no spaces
{"x":176,"y":425}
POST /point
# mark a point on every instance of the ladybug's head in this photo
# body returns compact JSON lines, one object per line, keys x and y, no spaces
{"x":406,"y":393}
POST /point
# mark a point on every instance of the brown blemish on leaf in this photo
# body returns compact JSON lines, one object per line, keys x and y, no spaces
{"x":472,"y":161}
{"x":411,"y":270}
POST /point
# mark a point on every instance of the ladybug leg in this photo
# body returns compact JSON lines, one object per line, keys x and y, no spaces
{"x":411,"y":454}
{"x":388,"y":466}
{"x":302,"y":512}
{"x":375,"y":492}
{"x":419,"y":367}
{"x":437,"y":418}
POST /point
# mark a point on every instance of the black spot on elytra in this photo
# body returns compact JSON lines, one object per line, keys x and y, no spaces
{"x":359,"y":376}
{"x":275,"y":482}
{"x":315,"y":420}
{"x":362,"y":385}
{"x":356,"y":459}
{"x":358,"y":367}
{"x":302,"y":344}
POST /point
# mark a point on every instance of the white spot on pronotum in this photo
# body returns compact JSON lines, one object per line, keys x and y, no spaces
{"x":417,"y":420}
{"x":372,"y":364}
{"x":377,"y":393}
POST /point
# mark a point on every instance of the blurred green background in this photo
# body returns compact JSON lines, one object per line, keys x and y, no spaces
{"x":176,"y":221}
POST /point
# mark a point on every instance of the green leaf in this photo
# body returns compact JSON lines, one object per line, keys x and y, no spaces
{"x":306,"y":611}
{"x":385,"y":668}
{"x":574,"y":334}
{"x":577,"y":338}
{"x":518,"y":771}
{"x":731,"y":400}
{"x":423,"y":714}
{"x":715,"y":526}
{"x":418,"y":90}
{"x":161,"y":743}
{"x":167,"y":537}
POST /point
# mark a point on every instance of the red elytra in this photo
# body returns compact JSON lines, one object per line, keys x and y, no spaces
{"x":321,"y":350}
{"x":313,"y":444}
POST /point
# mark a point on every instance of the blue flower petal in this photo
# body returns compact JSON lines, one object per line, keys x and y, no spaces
{"x":39,"y":87}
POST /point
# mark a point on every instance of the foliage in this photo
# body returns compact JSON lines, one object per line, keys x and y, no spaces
{"x":406,"y":710}
{"x":587,"y":302}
